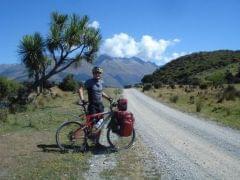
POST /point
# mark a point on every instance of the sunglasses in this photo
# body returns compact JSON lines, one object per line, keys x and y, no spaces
{"x":97,"y":73}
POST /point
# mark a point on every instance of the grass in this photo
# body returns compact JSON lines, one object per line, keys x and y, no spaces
{"x":203,"y":102}
{"x":134,"y":163}
{"x":24,"y":134}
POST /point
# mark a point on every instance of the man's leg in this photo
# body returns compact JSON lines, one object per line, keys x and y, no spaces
{"x":100,"y":108}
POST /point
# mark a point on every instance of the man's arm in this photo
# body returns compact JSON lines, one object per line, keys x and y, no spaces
{"x":80,"y":91}
{"x":106,"y":96}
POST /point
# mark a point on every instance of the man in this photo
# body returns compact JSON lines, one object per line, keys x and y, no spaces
{"x":95,"y":93}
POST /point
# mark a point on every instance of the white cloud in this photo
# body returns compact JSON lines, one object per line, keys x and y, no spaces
{"x":120,"y":45}
{"x":148,"y":48}
{"x":94,"y":24}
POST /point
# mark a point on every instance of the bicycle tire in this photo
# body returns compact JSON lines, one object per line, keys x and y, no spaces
{"x":68,"y":141}
{"x":115,"y":140}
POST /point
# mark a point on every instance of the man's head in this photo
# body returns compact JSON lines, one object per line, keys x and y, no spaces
{"x":97,"y":72}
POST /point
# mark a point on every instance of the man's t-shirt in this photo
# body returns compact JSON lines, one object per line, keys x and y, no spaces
{"x":94,"y":88}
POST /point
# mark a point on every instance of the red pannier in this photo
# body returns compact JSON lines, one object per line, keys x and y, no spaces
{"x":125,"y":120}
{"x":122,"y":104}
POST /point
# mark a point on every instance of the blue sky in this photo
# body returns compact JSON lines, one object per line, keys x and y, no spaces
{"x":155,"y":30}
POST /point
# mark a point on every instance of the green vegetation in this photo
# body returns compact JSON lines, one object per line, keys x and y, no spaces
{"x":221,"y":104}
{"x":29,"y":137}
{"x":23,"y":132}
{"x":215,"y":68}
{"x":206,"y":83}
{"x":8,"y":88}
{"x":69,"y":84}
{"x":70,"y":41}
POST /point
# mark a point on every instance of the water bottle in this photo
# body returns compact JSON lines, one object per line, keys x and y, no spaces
{"x":98,"y":124}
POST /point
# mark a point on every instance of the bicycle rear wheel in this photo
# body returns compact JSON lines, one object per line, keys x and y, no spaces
{"x":119,"y":142}
{"x":70,"y":136}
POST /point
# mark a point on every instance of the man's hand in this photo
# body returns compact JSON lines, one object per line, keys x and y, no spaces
{"x":82,"y":102}
{"x":110,"y":99}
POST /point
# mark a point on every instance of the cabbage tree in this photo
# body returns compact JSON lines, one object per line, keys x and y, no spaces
{"x":70,"y":40}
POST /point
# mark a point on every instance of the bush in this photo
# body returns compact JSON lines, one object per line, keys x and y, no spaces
{"x":49,"y":84}
{"x":157,"y":85}
{"x":127,"y":86}
{"x":229,"y":77}
{"x":147,"y":87}
{"x":199,"y":105}
{"x":3,"y":115}
{"x":230,"y":93}
{"x":8,"y":88}
{"x":69,"y":84}
{"x":172,"y":85}
{"x":203,"y":86}
{"x":173,"y":99}
{"x":191,"y":100}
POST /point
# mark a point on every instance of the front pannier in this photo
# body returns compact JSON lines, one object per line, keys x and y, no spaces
{"x":122,"y":104}
{"x":125,"y":120}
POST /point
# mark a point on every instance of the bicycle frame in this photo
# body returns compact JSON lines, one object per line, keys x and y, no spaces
{"x":88,"y":124}
{"x":89,"y":118}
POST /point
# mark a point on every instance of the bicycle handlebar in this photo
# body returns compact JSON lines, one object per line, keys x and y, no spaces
{"x":112,"y":104}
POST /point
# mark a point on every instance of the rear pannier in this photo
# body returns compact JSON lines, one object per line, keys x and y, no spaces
{"x":122,"y":104}
{"x":125,"y":120}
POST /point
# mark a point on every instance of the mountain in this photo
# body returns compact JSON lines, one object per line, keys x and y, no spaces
{"x":200,"y":67}
{"x":117,"y":71}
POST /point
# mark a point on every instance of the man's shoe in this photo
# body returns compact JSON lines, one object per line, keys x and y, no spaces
{"x":100,"y":146}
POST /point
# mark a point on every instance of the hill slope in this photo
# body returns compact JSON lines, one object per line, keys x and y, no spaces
{"x":201,"y":66}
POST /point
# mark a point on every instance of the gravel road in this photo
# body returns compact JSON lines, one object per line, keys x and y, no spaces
{"x":186,"y":147}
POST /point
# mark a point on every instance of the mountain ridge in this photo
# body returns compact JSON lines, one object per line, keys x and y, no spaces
{"x":118,"y":72}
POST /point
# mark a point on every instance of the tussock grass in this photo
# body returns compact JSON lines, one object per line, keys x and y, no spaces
{"x":219,"y":104}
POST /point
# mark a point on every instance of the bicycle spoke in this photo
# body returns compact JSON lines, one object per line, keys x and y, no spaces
{"x":120,"y":142}
{"x":70,"y":136}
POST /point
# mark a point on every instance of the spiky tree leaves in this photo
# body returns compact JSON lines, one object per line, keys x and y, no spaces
{"x":31,"y":51}
{"x":69,"y":41}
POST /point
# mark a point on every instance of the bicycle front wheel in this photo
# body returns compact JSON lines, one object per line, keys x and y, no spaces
{"x":70,"y":136}
{"x":119,"y":142}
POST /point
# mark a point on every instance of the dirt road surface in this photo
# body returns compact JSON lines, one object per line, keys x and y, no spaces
{"x":186,"y":147}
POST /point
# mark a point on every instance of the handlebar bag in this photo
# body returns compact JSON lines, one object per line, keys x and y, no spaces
{"x":122,"y":104}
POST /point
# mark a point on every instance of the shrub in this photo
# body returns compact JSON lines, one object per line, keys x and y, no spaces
{"x":199,"y":105}
{"x":173,"y":99}
{"x":3,"y":115}
{"x":127,"y":86}
{"x":229,"y":77}
{"x":203,"y":86}
{"x":230,"y":93}
{"x":157,"y":85}
{"x":172,"y":85}
{"x":147,"y":87}
{"x":228,"y":111}
{"x":191,"y":100}
{"x":195,"y":81}
{"x":49,"y":84}
{"x":68,"y":83}
{"x":148,"y":78}
{"x":8,"y":88}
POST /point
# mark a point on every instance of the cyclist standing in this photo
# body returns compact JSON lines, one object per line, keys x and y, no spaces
{"x":95,"y":92}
